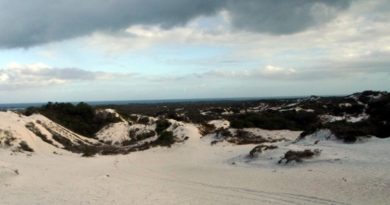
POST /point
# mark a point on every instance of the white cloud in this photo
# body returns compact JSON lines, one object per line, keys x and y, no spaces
{"x":268,"y":72}
{"x":354,"y":33}
{"x":44,"y":21}
{"x":277,"y":72}
{"x":140,"y":37}
{"x":21,"y":76}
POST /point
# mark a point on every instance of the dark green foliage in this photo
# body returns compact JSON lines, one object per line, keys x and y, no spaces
{"x":260,"y":149}
{"x":166,"y":138}
{"x":162,"y":125}
{"x":243,"y":134}
{"x":216,"y":110}
{"x":244,"y":137}
{"x":62,"y":140}
{"x":8,"y":138}
{"x":134,"y":137}
{"x":365,"y":96}
{"x":146,"y":135}
{"x":132,"y":118}
{"x":80,"y":118}
{"x":143,"y":120}
{"x":133,"y":133}
{"x":349,"y":132}
{"x":298,"y":156}
{"x":206,"y":129}
{"x":379,"y":112}
{"x":353,"y":109}
{"x":24,"y":146}
{"x":377,"y":124}
{"x":30,"y":111}
{"x":225,"y":132}
{"x":275,"y":120}
{"x":89,"y":151}
{"x":31,"y":126}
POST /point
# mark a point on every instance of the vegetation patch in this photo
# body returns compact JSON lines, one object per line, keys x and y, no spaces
{"x":350,"y":132}
{"x":162,"y":125}
{"x":206,"y":129}
{"x":143,"y":120}
{"x":25,"y":147}
{"x":80,"y":118}
{"x":243,"y":137}
{"x":298,"y":156}
{"x":6,"y":138}
{"x":260,"y":149}
{"x":134,"y":137}
{"x":275,"y":120}
{"x":31,"y":126}
{"x":166,"y":139}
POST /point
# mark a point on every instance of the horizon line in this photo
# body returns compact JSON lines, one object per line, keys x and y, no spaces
{"x":160,"y":101}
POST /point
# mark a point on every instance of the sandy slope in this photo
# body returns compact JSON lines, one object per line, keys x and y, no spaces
{"x":15,"y":124}
{"x":196,"y":173}
{"x":192,"y":172}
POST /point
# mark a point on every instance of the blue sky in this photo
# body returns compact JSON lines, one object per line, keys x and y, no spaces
{"x":191,"y":49}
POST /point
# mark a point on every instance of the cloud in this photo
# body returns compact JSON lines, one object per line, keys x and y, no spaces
{"x":34,"y":22}
{"x":271,"y":71}
{"x":281,"y":16}
{"x":268,"y":72}
{"x":20,"y":76}
{"x":370,"y":63}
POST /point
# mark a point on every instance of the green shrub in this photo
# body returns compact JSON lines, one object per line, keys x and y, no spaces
{"x":24,"y":146}
{"x":349,"y":132}
{"x":162,"y":125}
{"x":143,"y":120}
{"x":31,"y":126}
{"x":146,"y":135}
{"x":206,"y":129}
{"x":80,"y":118}
{"x":166,"y":138}
{"x":89,"y":151}
{"x":379,"y":111}
{"x":274,"y":120}
{"x":298,"y":156}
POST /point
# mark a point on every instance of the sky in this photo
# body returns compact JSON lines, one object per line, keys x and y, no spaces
{"x":98,"y":50}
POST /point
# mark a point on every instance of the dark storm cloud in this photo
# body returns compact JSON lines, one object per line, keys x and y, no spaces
{"x":27,"y":23}
{"x":33,"y":22}
{"x":283,"y":16}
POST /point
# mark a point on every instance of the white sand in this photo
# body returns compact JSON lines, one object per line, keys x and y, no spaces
{"x":220,"y":123}
{"x":115,"y":133}
{"x":195,"y":172}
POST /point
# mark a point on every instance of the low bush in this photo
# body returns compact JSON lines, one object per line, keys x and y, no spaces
{"x":146,"y":135}
{"x":62,"y":140}
{"x":275,"y":120}
{"x":162,"y":125}
{"x":259,"y":149}
{"x":243,"y":137}
{"x":6,"y":138}
{"x":166,"y":138}
{"x":31,"y":126}
{"x":298,"y":156}
{"x":350,"y":132}
{"x":206,"y":129}
{"x":80,"y":118}
{"x":143,"y":120}
{"x":379,"y":111}
{"x":89,"y":151}
{"x":25,"y":147}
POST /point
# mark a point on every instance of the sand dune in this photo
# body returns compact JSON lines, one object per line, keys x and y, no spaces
{"x":195,"y":172}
